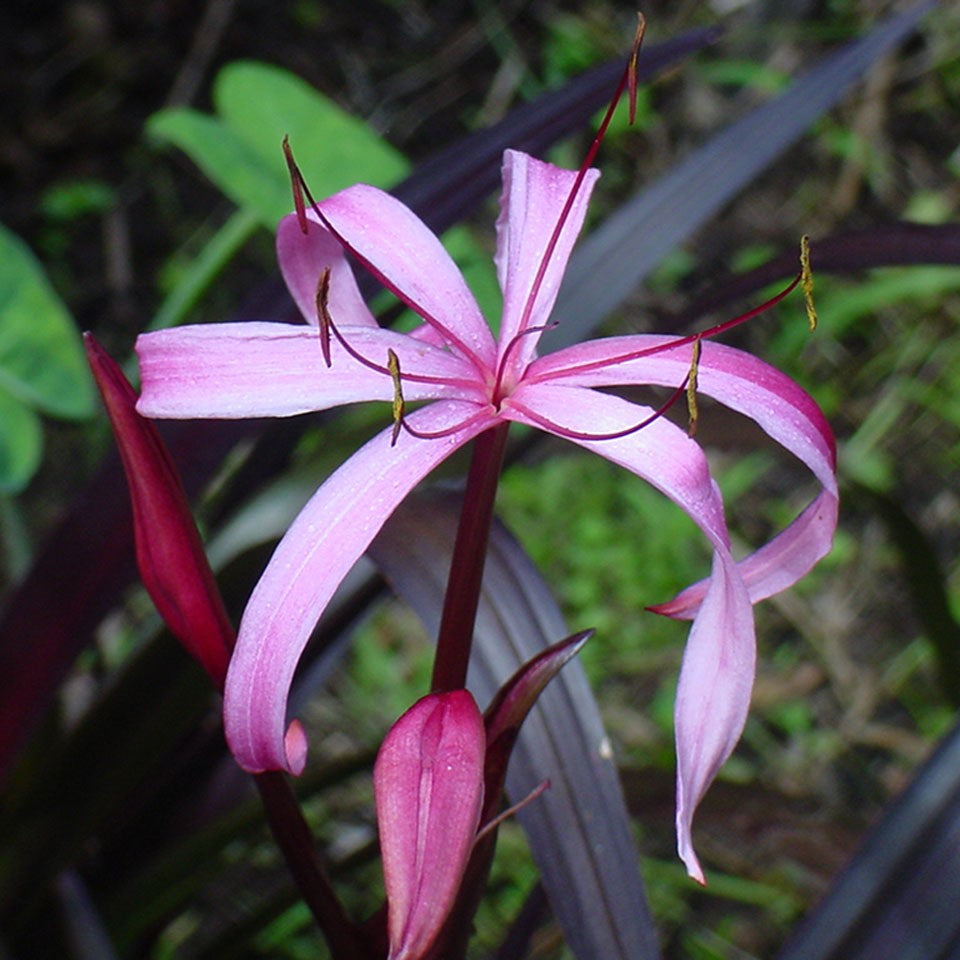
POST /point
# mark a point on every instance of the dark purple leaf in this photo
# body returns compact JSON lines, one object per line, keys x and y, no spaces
{"x":579,"y":830}
{"x":899,"y":899}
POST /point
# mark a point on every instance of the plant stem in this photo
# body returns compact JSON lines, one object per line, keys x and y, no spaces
{"x":466,"y":565}
{"x":295,"y":841}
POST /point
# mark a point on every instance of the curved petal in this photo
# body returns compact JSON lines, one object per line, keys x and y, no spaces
{"x":303,"y":257}
{"x":718,"y":666}
{"x":316,"y":553}
{"x":785,"y":411}
{"x":531,"y":205}
{"x":713,"y":694}
{"x":260,"y":369}
{"x":398,"y":248}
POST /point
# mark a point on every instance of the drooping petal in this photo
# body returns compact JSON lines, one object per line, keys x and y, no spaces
{"x":260,"y":369}
{"x":713,"y":694}
{"x":718,"y":666}
{"x":329,"y":535}
{"x":399,"y":249}
{"x":170,"y":556}
{"x":303,"y":258}
{"x":428,"y":782}
{"x":785,"y":411}
{"x":533,"y":198}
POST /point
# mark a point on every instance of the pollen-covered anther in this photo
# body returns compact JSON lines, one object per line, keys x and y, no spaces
{"x":393,"y":364}
{"x":806,"y":281}
{"x":693,"y":412}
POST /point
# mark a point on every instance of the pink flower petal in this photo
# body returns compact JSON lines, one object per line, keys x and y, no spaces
{"x":326,"y":539}
{"x":258,"y":369}
{"x":303,"y":257}
{"x":428,"y":782}
{"x":534,"y":195}
{"x":713,"y":694}
{"x":396,"y":246}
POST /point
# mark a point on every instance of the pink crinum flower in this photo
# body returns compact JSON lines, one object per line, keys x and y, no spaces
{"x":474,"y":382}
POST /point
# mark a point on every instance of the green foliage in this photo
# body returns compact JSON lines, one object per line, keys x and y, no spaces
{"x":240,"y":149}
{"x":42,"y":368}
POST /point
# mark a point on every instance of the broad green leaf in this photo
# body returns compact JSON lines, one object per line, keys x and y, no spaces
{"x":240,"y":149}
{"x":21,"y":441}
{"x":227,"y":160}
{"x":41,"y":360}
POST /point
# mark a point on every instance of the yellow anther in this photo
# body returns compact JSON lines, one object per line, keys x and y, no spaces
{"x":393,"y":365}
{"x":806,"y":281}
{"x":692,"y":410}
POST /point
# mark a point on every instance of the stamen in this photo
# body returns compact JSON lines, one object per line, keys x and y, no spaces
{"x":561,"y":431}
{"x":672,"y":344}
{"x":627,"y":82}
{"x":393,"y":362}
{"x":297,"y":184}
{"x":806,"y":281}
{"x":324,"y":320}
{"x":692,"y":410}
{"x":502,"y":368}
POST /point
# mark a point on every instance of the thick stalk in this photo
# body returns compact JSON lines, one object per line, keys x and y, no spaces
{"x":293,"y":837}
{"x":466,"y":565}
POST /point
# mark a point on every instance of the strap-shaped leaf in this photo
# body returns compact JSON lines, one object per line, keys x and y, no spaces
{"x":579,"y":829}
{"x":898,"y":899}
{"x":616,"y":257}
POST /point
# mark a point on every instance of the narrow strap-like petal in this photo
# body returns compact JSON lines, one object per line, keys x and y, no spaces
{"x":428,"y":782}
{"x":397,"y":247}
{"x":303,"y":258}
{"x":718,"y":666}
{"x":533,"y":199}
{"x":326,"y":539}
{"x":261,"y":369}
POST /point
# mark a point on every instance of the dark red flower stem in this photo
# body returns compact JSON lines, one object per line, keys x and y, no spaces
{"x":293,"y":837}
{"x":466,"y":566}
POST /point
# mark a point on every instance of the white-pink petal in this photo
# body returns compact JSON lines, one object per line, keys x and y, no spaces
{"x":303,"y":258}
{"x":532,"y":201}
{"x":261,"y":369}
{"x":330,"y":534}
{"x":399,"y":249}
{"x":713,"y":694}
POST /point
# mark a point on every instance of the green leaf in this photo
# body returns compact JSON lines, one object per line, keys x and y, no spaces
{"x":240,"y":149}
{"x":41,"y":360}
{"x":21,"y":441}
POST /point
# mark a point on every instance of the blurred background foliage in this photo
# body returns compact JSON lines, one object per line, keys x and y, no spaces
{"x":856,"y":679}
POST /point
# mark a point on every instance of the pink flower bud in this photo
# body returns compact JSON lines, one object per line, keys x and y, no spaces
{"x":428,"y":781}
